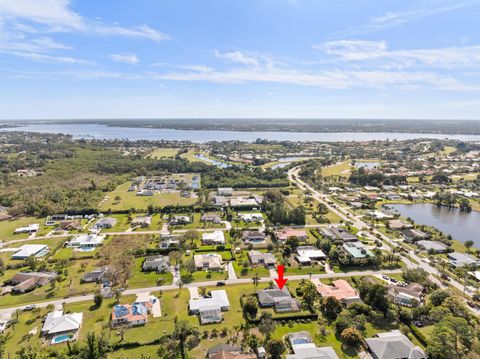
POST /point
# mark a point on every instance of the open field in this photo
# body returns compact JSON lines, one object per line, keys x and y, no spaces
{"x":163,"y":153}
{"x":341,"y":169}
{"x":131,"y":200}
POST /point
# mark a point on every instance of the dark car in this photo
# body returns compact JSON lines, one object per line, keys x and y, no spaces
{"x":220,"y":284}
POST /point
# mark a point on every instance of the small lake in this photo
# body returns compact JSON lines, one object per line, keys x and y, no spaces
{"x":461,"y":226}
{"x":367,"y":165}
{"x":103,"y":132}
{"x":212,"y":161}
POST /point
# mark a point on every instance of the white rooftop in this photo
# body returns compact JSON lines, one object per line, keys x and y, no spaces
{"x":218,"y":299}
{"x":28,"y":250}
{"x":57,"y":322}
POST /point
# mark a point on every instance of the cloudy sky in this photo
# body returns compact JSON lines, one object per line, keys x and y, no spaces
{"x":240,"y":58}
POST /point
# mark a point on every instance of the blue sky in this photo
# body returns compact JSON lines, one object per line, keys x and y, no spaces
{"x":240,"y":58}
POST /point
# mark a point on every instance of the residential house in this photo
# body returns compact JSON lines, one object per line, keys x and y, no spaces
{"x":215,"y":238}
{"x":179,"y":220}
{"x":306,"y":255}
{"x":170,"y":241}
{"x":462,"y":259}
{"x":251,"y":217}
{"x":143,"y":221}
{"x":156,"y":263}
{"x":28,"y":250}
{"x":210,"y":308}
{"x":59,"y":326}
{"x":286,"y":233}
{"x":86,"y":241}
{"x":23,"y":282}
{"x":413,"y":235}
{"x":303,"y":347}
{"x":219,"y":201}
{"x":263,"y":259}
{"x":357,"y":250}
{"x":393,"y":345}
{"x":398,"y":224}
{"x":245,"y":201}
{"x":209,"y":261}
{"x":253,"y":237}
{"x":105,"y":223}
{"x":409,"y":296}
{"x":212,"y":218}
{"x":96,"y":276}
{"x":432,"y":246}
{"x":342,"y":234}
{"x":129,"y":314}
{"x":31,"y":228}
{"x":279,"y":299}
{"x":340,"y":289}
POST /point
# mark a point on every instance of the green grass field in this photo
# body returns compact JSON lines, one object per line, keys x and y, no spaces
{"x":131,"y":200}
{"x":8,"y":227}
{"x":163,"y":153}
{"x":341,"y":169}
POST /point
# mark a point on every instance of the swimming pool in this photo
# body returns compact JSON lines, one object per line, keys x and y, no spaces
{"x":61,"y":338}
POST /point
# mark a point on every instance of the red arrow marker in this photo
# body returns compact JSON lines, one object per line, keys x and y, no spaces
{"x":281,"y":281}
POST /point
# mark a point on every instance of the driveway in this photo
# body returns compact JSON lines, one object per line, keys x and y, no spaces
{"x":231,"y":271}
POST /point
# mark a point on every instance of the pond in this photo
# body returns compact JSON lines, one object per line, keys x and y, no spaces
{"x":462,"y":226}
{"x":367,"y":165}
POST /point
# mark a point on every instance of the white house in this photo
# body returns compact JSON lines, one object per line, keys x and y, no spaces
{"x":86,"y":241}
{"x":27,"y":250}
{"x":31,"y":228}
{"x":57,"y":323}
{"x":216,"y":237}
{"x":210,"y":308}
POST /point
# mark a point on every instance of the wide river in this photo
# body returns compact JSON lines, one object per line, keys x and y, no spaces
{"x":103,"y":132}
{"x":460,"y":225}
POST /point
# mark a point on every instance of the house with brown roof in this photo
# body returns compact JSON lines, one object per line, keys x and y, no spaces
{"x":340,"y":289}
{"x":27,"y":281}
{"x":286,"y":233}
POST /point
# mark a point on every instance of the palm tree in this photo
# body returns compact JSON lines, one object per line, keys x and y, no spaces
{"x":183,"y":330}
{"x":256,"y":280}
{"x":180,"y":285}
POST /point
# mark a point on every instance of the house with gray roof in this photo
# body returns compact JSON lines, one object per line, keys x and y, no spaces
{"x":435,"y":246}
{"x":264,"y":259}
{"x":279,"y":299}
{"x":393,"y":345}
{"x":105,"y":223}
{"x":462,"y":259}
{"x":156,"y":263}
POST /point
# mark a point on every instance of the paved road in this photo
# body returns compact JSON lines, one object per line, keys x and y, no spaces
{"x":7,"y":312}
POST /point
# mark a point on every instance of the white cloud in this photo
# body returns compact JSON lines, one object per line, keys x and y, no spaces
{"x":421,"y":10}
{"x":238,"y":57}
{"x":57,"y":16}
{"x":145,"y":32}
{"x":448,"y":57}
{"x":130,"y":59}
{"x":47,"y":12}
{"x":49,"y":58}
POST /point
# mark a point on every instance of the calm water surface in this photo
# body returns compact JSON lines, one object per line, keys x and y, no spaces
{"x":135,"y":133}
{"x":460,"y":225}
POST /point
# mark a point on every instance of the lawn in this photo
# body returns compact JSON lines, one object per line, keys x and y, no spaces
{"x":341,"y":169}
{"x":147,"y":279}
{"x":163,"y":153}
{"x":8,"y":227}
{"x":68,"y":286}
{"x":130,"y":200}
